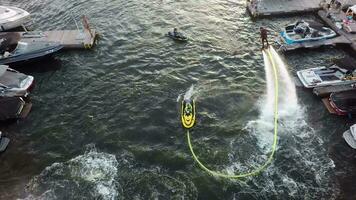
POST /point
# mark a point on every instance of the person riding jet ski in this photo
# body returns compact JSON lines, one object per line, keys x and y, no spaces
{"x":177,"y":35}
{"x":188,"y":113}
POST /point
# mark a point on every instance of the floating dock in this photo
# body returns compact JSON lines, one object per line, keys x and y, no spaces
{"x":350,"y":37}
{"x":265,"y":8}
{"x":70,"y":39}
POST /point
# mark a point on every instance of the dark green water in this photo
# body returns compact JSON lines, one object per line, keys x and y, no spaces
{"x":105,"y":122}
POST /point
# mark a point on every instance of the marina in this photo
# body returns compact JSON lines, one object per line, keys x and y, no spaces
{"x":179,"y":100}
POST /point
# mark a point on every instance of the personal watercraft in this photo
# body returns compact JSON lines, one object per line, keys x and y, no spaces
{"x":188,"y":113}
{"x":303,"y":31}
{"x":178,"y":36}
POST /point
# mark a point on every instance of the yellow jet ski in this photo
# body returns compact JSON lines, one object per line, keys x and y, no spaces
{"x":188,"y":113}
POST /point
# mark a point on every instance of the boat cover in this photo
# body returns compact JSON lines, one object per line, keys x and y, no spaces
{"x":9,"y":107}
{"x":347,"y":63}
{"x":315,"y":25}
{"x":345,"y":100}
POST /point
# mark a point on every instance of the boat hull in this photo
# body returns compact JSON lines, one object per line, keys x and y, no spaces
{"x":31,"y":55}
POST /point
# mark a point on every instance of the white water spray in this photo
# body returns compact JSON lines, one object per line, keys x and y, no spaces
{"x":188,"y":95}
{"x":288,"y":103}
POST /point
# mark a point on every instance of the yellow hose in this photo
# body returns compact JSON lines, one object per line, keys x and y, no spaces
{"x":274,"y":145}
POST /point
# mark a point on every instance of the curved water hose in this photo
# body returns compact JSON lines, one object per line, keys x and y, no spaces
{"x":274,"y":145}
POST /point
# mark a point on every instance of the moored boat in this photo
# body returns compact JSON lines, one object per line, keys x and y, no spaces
{"x":340,"y":73}
{"x":14,"y":83}
{"x":13,"y":108}
{"x":12,"y":17}
{"x":303,"y":31}
{"x":342,"y":103}
{"x":12,"y":49}
{"x":350,"y":136}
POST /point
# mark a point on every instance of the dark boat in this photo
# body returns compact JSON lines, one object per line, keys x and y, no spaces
{"x":13,"y":108}
{"x":12,"y":49}
{"x":343,"y":103}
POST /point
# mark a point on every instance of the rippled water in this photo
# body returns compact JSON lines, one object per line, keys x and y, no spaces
{"x":105,"y":122}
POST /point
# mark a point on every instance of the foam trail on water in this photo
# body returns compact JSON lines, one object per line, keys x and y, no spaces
{"x":188,"y":95}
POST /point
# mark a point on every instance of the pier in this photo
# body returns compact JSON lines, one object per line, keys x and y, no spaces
{"x":70,"y":39}
{"x":263,"y":8}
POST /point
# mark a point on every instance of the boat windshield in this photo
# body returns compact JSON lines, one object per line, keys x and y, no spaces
{"x":8,"y":42}
{"x":21,"y":46}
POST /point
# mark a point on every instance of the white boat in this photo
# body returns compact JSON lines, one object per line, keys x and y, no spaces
{"x":342,"y":72}
{"x":350,"y":136}
{"x":12,"y":17}
{"x":303,"y":31}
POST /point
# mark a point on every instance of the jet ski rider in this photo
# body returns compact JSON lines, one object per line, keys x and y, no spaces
{"x":188,"y":108}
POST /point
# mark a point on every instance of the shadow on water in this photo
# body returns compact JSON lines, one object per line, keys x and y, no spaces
{"x":40,"y":65}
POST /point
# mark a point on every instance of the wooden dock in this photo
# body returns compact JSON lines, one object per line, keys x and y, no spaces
{"x":70,"y":39}
{"x":350,"y":38}
{"x":264,"y":8}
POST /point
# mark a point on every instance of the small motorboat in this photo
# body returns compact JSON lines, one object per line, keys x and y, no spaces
{"x":12,"y":17}
{"x":188,"y":113}
{"x":350,"y":136}
{"x":13,"y":108}
{"x":14,"y":83}
{"x":178,"y":36}
{"x":303,"y":31}
{"x":12,"y":49}
{"x":4,"y":142}
{"x":340,"y":73}
{"x":342,"y":103}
